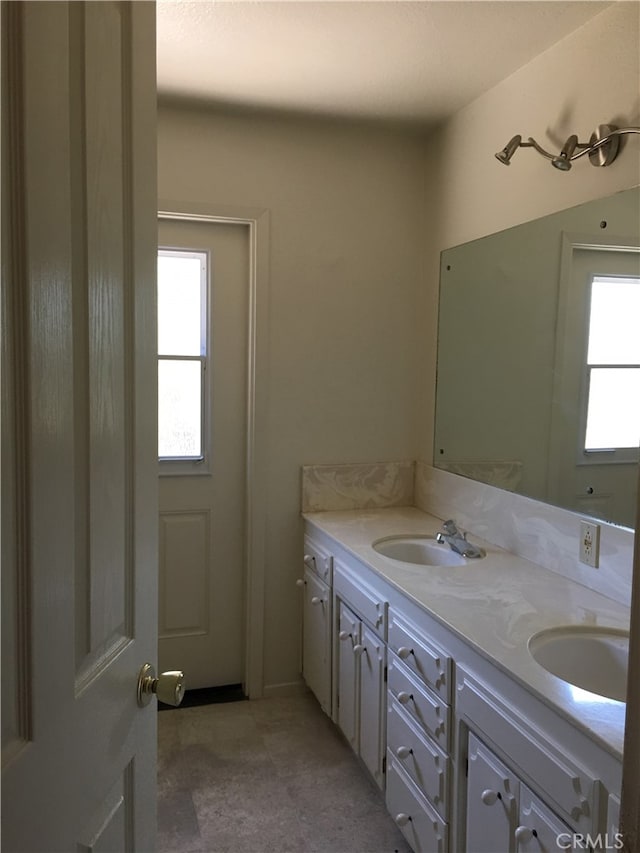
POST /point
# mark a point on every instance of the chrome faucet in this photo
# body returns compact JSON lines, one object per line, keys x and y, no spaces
{"x":457,"y":540}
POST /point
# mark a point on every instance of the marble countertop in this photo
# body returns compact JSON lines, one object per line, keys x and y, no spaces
{"x":495,"y":605}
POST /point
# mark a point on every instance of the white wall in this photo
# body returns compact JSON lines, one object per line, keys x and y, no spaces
{"x":589,"y":78}
{"x":345,"y":309}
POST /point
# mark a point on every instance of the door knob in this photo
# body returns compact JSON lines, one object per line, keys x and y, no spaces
{"x":168,"y":687}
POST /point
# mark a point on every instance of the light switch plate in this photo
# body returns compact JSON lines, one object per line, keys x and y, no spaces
{"x":589,"y":545}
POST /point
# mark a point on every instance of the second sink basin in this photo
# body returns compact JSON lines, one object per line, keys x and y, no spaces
{"x":420,"y":550}
{"x":594,"y":659}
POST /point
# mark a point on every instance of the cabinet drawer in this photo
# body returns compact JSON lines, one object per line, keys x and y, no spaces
{"x":318,"y":560}
{"x":421,"y":759}
{"x":364,"y":599}
{"x":423,"y":706}
{"x":420,"y":655}
{"x":420,"y":824}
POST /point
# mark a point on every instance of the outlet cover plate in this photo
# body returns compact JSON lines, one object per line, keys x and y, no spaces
{"x":589,"y":545}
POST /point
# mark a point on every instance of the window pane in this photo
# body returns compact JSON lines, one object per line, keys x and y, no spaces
{"x":179,"y":408}
{"x":613,"y":416}
{"x":613,"y":321}
{"x":180,"y":304}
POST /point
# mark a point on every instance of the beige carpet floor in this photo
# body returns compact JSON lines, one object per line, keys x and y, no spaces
{"x":267,"y":776}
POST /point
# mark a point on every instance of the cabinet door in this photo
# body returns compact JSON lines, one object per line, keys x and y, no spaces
{"x":316,"y":663}
{"x":372,"y":705}
{"x":348,"y":687}
{"x":539,"y":830}
{"x":491,"y":802}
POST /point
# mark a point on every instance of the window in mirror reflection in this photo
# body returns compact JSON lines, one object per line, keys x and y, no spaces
{"x":613,"y":364}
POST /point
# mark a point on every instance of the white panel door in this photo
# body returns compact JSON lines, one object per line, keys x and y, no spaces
{"x":203,"y":511}
{"x":601,"y":483}
{"x":79,"y":502}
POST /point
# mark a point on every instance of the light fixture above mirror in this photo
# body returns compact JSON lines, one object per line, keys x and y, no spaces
{"x":602,"y":148}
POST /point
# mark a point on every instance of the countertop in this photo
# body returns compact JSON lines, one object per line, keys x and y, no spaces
{"x":495,"y":604}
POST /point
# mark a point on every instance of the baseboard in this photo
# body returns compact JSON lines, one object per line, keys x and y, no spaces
{"x":289,"y":688}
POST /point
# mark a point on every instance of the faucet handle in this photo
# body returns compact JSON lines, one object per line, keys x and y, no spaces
{"x":451,"y":528}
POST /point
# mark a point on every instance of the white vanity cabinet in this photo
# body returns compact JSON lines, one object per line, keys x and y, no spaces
{"x":502,"y":814}
{"x":317,"y":621}
{"x":470,"y":758}
{"x":550,"y":786}
{"x":360,"y":658}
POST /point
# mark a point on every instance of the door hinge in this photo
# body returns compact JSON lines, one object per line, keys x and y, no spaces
{"x":466,"y":767}
{"x":385,"y":673}
{"x":384,"y":764}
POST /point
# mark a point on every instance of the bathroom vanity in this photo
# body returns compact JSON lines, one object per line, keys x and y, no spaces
{"x":428,"y":672}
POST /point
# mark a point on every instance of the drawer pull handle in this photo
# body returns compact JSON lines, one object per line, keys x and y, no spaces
{"x":358,"y":649}
{"x":404,"y":752}
{"x":402,"y":819}
{"x":315,"y":600}
{"x":300,"y":582}
{"x":404,"y":697}
{"x":344,"y":635}
{"x":404,"y":652}
{"x":523,"y":833}
{"x":489,"y":797}
{"x":309,"y":560}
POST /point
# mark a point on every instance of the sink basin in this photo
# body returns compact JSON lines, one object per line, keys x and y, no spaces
{"x":594,"y":659}
{"x":420,"y":550}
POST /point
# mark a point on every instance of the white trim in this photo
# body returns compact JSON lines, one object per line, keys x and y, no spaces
{"x":257,"y":221}
{"x":288,"y":688}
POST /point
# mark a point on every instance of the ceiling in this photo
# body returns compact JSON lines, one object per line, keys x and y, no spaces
{"x":416,"y":62}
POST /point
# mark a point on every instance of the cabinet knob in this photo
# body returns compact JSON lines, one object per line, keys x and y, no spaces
{"x":404,"y":752}
{"x":299,"y":582}
{"x":402,"y":819}
{"x":404,"y":697}
{"x":315,"y":600}
{"x":309,"y":560}
{"x":489,"y":797}
{"x":523,"y":833}
{"x":404,"y":652}
{"x":344,"y":635}
{"x":358,"y":649}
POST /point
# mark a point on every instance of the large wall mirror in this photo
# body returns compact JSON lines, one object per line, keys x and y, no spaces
{"x":538,"y":382}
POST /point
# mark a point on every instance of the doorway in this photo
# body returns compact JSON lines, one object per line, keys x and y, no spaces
{"x":203,"y":351}
{"x":594,"y":437}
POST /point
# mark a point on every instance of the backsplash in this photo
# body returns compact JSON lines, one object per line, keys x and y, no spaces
{"x":544,"y":534}
{"x":367,"y":485}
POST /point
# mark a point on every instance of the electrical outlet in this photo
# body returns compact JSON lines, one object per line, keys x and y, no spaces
{"x":589,"y":547}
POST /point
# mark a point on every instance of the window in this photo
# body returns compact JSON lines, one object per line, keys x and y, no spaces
{"x":182,"y":355}
{"x":613,"y":365}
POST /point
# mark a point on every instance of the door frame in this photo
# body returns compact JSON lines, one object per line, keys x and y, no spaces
{"x":257,"y":222}
{"x":560,"y":433}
